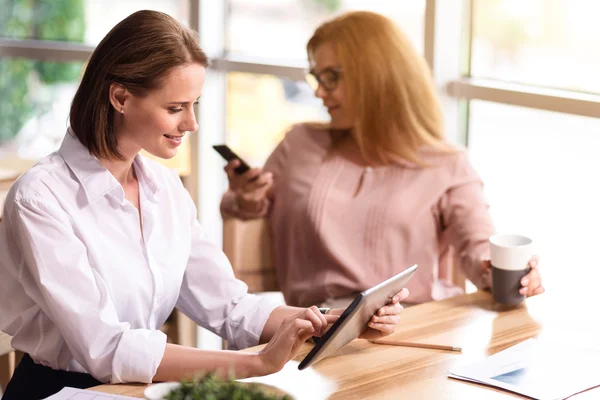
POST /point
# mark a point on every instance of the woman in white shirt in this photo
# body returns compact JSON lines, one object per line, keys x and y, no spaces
{"x":98,"y":244}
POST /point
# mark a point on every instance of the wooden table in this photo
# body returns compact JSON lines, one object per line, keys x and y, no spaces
{"x":366,"y":371}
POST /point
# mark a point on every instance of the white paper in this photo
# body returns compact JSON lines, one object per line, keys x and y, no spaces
{"x":70,"y":393}
{"x":541,"y":372}
{"x":306,"y":384}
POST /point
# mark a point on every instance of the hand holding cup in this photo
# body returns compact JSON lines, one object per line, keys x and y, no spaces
{"x":514,"y":267}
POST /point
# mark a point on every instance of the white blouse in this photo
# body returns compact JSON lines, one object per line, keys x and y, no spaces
{"x":84,"y":289}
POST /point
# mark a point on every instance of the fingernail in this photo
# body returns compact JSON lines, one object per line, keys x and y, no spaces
{"x":395,"y":299}
{"x":525,"y":282}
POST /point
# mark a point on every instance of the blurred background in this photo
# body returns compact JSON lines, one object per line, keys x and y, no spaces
{"x":518,"y":81}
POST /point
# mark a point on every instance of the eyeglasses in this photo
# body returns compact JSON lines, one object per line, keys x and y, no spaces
{"x":328,"y":78}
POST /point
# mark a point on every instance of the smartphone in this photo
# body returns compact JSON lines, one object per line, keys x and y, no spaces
{"x":229,"y":155}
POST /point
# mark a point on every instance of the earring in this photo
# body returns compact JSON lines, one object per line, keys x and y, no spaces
{"x":122,"y":111}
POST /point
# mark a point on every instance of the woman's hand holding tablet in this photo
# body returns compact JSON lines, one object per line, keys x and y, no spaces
{"x":373,"y":314}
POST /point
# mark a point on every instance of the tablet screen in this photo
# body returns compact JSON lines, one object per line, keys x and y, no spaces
{"x":355,"y":317}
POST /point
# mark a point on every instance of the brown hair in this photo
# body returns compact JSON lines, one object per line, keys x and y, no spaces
{"x":388,"y":84}
{"x":138,"y":53}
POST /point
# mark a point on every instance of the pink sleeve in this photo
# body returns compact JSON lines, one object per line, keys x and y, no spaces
{"x":276,"y":161}
{"x":229,"y":208}
{"x":274,"y":164}
{"x":467,"y":223}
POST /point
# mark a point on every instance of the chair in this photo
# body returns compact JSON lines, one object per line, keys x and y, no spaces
{"x":447,"y":268}
{"x":247,"y":245}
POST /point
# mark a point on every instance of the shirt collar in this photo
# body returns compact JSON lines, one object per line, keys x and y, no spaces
{"x":95,"y":179}
{"x":146,"y":175}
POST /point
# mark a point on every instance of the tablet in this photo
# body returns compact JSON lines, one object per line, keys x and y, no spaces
{"x":354,"y":319}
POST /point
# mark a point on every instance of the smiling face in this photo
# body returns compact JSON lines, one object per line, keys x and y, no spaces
{"x":324,"y":62}
{"x":158,"y":121}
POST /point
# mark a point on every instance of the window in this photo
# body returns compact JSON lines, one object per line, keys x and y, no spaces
{"x":261,"y":108}
{"x":35,"y":97}
{"x":539,"y":166}
{"x":539,"y":42}
{"x":280,"y":29}
{"x":540,"y":171}
{"x":86,"y":21}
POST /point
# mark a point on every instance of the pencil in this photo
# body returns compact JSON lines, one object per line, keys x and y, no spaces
{"x":420,"y":345}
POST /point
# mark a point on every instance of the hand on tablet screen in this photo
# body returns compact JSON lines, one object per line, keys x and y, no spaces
{"x":373,"y":313}
{"x":294,"y":331}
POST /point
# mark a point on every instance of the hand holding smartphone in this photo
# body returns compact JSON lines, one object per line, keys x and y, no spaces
{"x":251,"y":191}
{"x":229,"y":155}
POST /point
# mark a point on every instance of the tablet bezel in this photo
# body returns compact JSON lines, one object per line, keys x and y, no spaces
{"x":326,"y":344}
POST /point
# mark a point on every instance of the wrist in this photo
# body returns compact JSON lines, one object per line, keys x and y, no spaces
{"x":244,"y":206}
{"x":260,"y":366}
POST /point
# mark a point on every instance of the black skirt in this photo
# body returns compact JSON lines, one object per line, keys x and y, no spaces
{"x":33,"y":381}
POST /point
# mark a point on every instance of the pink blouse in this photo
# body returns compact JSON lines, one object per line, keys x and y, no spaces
{"x":333,"y":241}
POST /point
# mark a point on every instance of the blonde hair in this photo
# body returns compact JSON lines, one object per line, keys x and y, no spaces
{"x":388,"y":84}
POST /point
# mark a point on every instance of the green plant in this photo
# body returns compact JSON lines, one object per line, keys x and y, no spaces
{"x":211,"y":388}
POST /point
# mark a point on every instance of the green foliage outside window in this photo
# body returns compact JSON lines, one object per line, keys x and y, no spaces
{"x":61,"y":20}
{"x":330,"y":5}
{"x":16,"y":108}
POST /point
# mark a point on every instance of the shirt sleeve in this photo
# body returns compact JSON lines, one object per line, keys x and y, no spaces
{"x":274,"y":164}
{"x":76,"y":298}
{"x":212,"y":296}
{"x":467,"y":223}
{"x":229,"y":208}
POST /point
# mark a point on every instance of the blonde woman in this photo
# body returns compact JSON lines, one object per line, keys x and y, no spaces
{"x":377,"y":189}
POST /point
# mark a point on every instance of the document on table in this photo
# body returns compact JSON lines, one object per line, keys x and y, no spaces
{"x":538,"y":371}
{"x":70,"y":393}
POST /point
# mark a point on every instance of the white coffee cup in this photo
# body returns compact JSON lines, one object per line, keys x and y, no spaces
{"x":510,"y":255}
